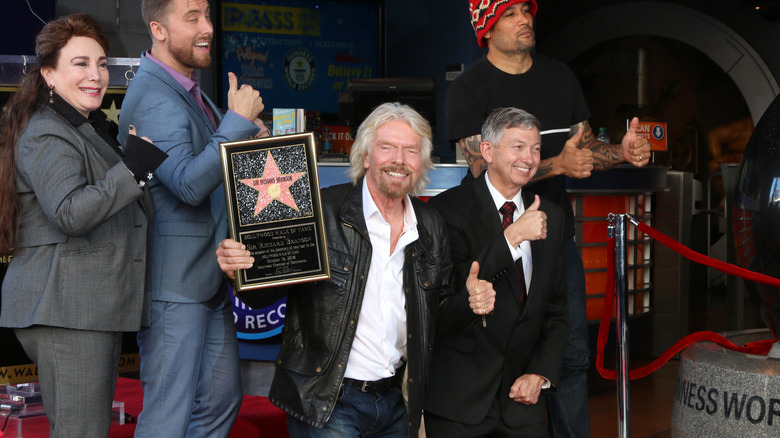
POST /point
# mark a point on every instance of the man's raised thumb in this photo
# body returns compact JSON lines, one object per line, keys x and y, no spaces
{"x":535,"y":205}
{"x":232,"y":82}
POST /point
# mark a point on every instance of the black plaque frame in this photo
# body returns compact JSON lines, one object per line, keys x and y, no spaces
{"x":274,"y":208}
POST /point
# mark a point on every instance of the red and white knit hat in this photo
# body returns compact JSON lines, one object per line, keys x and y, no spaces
{"x":485,"y":13}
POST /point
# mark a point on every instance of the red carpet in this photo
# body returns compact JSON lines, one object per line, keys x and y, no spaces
{"x":257,"y":417}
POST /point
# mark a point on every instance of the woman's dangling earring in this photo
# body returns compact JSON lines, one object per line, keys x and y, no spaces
{"x":51,"y":93}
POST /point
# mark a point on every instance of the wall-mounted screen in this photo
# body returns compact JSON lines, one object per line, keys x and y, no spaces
{"x":364,"y":95}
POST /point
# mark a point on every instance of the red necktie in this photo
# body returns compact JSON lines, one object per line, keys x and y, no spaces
{"x":507,"y":211}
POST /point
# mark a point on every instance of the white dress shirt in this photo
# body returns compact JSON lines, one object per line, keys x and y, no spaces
{"x":524,"y":250}
{"x":379,"y":346}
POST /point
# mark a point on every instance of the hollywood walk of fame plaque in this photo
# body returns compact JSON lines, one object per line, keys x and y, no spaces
{"x":273,"y":200}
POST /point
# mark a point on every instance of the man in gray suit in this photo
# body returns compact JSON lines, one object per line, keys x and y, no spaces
{"x":189,"y":354}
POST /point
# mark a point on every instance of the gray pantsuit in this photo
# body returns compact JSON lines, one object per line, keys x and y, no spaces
{"x":77,"y":278}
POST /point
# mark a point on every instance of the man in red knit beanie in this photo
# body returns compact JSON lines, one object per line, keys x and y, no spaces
{"x":485,"y":13}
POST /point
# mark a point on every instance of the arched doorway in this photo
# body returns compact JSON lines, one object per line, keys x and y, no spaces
{"x":657,"y":78}
{"x":674,"y":64}
{"x":730,"y":52}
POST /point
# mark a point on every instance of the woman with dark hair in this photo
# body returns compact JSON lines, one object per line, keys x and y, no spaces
{"x":74,"y":213}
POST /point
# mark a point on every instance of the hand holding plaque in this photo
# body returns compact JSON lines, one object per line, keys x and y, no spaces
{"x":274,"y":209}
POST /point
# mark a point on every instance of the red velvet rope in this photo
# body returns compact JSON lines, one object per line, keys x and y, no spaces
{"x":704,"y":260}
{"x":758,"y":347}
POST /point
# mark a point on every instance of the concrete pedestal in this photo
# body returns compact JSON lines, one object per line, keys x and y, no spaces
{"x":722,"y":393}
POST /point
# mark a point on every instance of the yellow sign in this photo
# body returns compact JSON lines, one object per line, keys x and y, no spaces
{"x":237,"y":17}
{"x":27,"y":373}
{"x":18,"y":374}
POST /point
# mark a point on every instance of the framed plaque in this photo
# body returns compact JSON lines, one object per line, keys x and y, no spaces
{"x":274,"y":208}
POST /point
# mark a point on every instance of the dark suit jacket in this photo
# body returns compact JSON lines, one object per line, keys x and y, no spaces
{"x":473,"y":364}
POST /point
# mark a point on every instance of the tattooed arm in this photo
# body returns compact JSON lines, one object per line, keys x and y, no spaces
{"x":573,"y":161}
{"x":604,"y":155}
{"x":581,"y":154}
{"x":632,"y":148}
{"x":469,"y":146}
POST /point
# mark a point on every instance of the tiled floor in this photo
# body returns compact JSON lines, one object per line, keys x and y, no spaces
{"x":651,"y":399}
{"x":650,"y":406}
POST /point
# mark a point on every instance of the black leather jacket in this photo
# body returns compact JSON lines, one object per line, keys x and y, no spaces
{"x":322,"y":317}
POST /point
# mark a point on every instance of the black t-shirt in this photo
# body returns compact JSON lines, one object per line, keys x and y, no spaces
{"x":548,"y":90}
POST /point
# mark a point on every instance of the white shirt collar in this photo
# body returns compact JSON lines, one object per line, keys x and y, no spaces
{"x":499,"y":200}
{"x":524,"y":250}
{"x":370,"y":208}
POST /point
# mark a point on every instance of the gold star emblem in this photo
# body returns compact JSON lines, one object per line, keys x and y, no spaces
{"x":273,"y":185}
{"x":112,"y":112}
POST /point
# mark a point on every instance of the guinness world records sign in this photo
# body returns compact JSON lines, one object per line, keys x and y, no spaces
{"x":723,"y":393}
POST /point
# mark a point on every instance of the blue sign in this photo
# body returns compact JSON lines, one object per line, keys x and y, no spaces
{"x":253,"y":324}
{"x":659,"y":132}
{"x":300,"y":53}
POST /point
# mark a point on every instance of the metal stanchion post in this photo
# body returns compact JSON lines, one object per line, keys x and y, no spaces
{"x":621,"y":324}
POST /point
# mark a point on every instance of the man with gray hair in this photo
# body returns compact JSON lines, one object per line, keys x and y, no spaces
{"x":351,"y":342}
{"x":487,"y":377}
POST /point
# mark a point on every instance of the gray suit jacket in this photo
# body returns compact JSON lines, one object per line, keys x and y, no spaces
{"x":80,"y":260}
{"x":189,"y":200}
